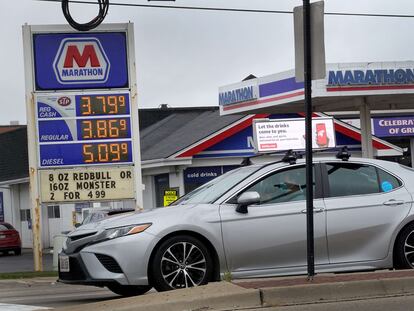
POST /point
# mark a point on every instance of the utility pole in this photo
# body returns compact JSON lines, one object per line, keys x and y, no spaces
{"x":308,"y":138}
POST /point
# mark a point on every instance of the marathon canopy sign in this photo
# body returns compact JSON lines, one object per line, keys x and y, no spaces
{"x":80,"y":61}
{"x":370,"y":77}
{"x":247,"y":91}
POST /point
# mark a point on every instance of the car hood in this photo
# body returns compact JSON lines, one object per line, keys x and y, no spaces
{"x":132,"y":218}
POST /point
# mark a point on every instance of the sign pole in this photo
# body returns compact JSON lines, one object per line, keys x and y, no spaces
{"x":308,"y":136}
{"x":31,"y":140}
{"x":139,"y":201}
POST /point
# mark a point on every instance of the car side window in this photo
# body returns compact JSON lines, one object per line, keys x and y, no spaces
{"x":387,"y":181}
{"x":352,"y":179}
{"x":282,"y":186}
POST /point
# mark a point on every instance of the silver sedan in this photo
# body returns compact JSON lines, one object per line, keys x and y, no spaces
{"x":251,"y":222}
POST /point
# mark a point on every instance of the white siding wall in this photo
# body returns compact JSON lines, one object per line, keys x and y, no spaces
{"x":148,"y":194}
{"x":7,"y":205}
{"x":24,"y":203}
{"x":15,"y":208}
{"x":177,"y":180}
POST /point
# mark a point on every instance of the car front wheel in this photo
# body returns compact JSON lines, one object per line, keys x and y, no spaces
{"x":181,"y":262}
{"x":128,"y":290}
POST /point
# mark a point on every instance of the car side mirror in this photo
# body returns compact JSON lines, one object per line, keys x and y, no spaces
{"x":77,"y":225}
{"x":246,"y":199}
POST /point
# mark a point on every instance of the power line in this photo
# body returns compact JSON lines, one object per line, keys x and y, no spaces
{"x":234,"y":9}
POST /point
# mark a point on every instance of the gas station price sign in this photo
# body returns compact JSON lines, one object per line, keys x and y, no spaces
{"x":83,"y":129}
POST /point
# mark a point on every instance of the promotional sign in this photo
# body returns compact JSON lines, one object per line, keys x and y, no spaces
{"x":87,"y":184}
{"x":285,"y":134}
{"x":170,"y":196}
{"x":395,"y":126}
{"x":201,"y":174}
{"x":80,"y":60}
{"x":83,"y":129}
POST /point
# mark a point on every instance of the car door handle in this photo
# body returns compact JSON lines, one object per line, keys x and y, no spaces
{"x":393,"y":202}
{"x":315,"y":210}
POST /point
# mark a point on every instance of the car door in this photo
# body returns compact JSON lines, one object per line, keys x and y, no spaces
{"x":364,"y":204}
{"x":272,"y":234}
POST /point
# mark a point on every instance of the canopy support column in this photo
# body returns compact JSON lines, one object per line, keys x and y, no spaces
{"x":366,"y":130}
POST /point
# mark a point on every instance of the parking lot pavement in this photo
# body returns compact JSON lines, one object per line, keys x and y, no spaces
{"x":24,"y":263}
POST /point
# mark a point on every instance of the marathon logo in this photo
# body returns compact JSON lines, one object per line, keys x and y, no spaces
{"x":237,"y":96}
{"x":371,"y":77}
{"x":81,"y":61}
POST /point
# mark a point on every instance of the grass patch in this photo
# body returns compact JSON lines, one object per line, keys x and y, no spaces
{"x":27,"y":275}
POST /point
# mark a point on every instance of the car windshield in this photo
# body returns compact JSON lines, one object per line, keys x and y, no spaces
{"x":215,"y":188}
{"x":4,"y":227}
{"x":94,"y":217}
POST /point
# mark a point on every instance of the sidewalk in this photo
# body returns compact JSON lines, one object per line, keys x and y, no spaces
{"x":267,"y":292}
{"x":285,"y":291}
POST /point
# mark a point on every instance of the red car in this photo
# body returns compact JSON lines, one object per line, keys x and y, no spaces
{"x":9,"y":239}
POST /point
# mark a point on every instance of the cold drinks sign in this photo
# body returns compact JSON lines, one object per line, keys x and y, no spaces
{"x":84,"y":113}
{"x":279,"y":135}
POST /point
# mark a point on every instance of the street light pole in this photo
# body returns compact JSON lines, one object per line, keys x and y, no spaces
{"x":308,"y":136}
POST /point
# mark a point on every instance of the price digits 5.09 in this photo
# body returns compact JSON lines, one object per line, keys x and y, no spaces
{"x":104,"y":153}
{"x":103,"y":105}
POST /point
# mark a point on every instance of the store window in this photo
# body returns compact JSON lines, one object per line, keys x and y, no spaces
{"x":53,"y":211}
{"x":25,"y":215}
{"x":162,"y":183}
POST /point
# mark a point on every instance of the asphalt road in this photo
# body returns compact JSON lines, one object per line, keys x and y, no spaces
{"x":24,"y":262}
{"x":395,"y":303}
{"x":17,"y":295}
{"x":45,"y":292}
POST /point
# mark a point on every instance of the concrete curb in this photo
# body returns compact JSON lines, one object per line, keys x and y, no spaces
{"x":328,"y":292}
{"x":228,"y":296}
{"x":221,"y":295}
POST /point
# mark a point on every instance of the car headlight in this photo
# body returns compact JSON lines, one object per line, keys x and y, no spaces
{"x":113,"y":233}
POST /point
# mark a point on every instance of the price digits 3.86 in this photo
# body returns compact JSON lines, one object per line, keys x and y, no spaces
{"x":104,"y":128}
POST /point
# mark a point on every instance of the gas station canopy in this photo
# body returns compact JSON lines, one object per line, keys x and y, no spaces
{"x":346,"y":87}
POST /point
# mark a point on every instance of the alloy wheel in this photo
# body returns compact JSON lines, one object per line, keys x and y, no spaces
{"x":409,"y":249}
{"x":183,"y":265}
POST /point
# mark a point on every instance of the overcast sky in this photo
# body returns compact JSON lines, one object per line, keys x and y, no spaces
{"x":184,"y":56}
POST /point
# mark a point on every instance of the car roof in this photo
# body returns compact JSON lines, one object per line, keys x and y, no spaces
{"x":279,"y":163}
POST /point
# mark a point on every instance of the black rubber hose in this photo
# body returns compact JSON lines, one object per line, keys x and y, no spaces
{"x":103,"y":10}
